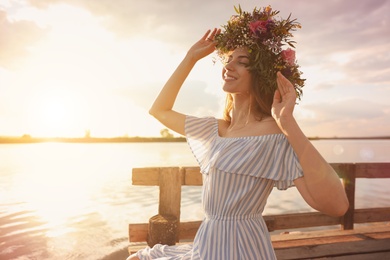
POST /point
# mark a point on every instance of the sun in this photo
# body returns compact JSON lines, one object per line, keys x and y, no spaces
{"x":79,"y":79}
{"x":56,"y":111}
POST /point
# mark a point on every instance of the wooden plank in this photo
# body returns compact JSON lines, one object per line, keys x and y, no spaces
{"x":316,"y":250}
{"x":299,"y":220}
{"x":371,"y":256}
{"x":286,"y":221}
{"x":274,"y":222}
{"x":305,"y":242}
{"x":372,"y":215}
{"x":340,"y":168}
{"x":138,"y":232}
{"x":149,"y":175}
{"x":170,"y":192}
{"x":378,"y":235}
{"x":372,"y":170}
{"x":349,"y":186}
{"x":170,"y":199}
{"x":188,"y":230}
{"x":364,"y":170}
{"x":314,"y":240}
{"x":379,"y":230}
{"x":193,"y":177}
{"x":334,"y":249}
{"x":146,"y":176}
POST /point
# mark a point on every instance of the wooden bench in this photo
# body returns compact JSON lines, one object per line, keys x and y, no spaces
{"x":347,"y":242}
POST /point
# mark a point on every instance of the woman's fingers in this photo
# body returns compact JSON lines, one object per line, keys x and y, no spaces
{"x":277,"y":97}
{"x":211,"y":34}
{"x":206,"y":35}
{"x":286,"y":90}
{"x":283,"y":83}
{"x":205,"y":45}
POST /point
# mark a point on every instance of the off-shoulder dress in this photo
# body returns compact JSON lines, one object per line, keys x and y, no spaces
{"x":238,"y":173}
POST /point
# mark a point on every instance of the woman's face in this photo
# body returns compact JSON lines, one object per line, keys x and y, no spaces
{"x":235,"y":74}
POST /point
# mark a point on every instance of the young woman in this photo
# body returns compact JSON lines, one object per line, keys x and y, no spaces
{"x":256,"y":146}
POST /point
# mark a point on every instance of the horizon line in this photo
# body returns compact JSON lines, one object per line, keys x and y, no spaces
{"x":89,"y":139}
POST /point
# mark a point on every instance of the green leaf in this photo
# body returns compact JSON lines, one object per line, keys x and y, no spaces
{"x":238,"y":10}
{"x":292,"y":45}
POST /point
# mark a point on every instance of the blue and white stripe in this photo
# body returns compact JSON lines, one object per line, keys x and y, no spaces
{"x":238,"y":176}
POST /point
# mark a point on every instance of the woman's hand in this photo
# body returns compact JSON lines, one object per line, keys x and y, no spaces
{"x":320,"y":186}
{"x":284,"y":101}
{"x":162,"y":108}
{"x":204,"y":46}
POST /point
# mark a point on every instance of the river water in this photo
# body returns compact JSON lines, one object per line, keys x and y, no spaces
{"x":75,"y":201}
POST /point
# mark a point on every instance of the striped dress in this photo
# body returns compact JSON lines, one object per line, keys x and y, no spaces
{"x":239,"y":173}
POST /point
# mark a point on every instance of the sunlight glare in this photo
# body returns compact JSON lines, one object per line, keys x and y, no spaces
{"x":56,"y":112}
{"x":57,"y":195}
{"x":71,"y":78}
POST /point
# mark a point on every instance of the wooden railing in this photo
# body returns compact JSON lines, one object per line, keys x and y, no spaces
{"x":170,"y":180}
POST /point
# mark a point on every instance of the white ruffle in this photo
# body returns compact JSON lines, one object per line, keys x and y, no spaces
{"x":267,"y":156}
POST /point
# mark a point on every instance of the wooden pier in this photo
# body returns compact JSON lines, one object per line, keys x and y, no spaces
{"x":368,"y":240}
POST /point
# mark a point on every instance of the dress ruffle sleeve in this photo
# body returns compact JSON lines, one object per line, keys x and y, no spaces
{"x":201,"y":134}
{"x":267,"y":156}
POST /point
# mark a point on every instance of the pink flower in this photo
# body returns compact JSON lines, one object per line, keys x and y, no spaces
{"x":258,"y":26}
{"x":288,"y":56}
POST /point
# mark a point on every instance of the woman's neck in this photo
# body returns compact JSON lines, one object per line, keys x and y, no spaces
{"x":243,"y":114}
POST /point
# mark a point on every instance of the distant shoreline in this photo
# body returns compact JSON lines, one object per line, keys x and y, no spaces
{"x":27,"y":140}
{"x":352,"y":138}
{"x":23,"y":140}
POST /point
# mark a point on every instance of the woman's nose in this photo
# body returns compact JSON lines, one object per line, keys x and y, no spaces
{"x":229,"y":66}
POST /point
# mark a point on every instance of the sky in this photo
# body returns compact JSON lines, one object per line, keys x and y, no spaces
{"x":68,"y":67}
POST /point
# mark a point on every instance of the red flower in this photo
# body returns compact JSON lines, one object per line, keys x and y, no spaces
{"x":258,"y":27}
{"x":288,"y":56}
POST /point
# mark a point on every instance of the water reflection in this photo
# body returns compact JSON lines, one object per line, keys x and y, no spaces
{"x":52,"y":186}
{"x":56,"y":199}
{"x":367,"y":154}
{"x":74,"y":201}
{"x":351,"y":151}
{"x":338,"y":150}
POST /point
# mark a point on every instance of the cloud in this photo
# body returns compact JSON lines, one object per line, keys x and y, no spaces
{"x":343,"y":25}
{"x":193,"y":98}
{"x":336,"y":24}
{"x":329,"y":27}
{"x":16,"y":39}
{"x":352,"y":37}
{"x":171,"y":20}
{"x":342,"y":49}
{"x":348,"y":109}
{"x":348,"y":117}
{"x":370,"y":66}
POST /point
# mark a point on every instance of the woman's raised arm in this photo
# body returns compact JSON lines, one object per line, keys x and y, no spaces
{"x":162,"y":106}
{"x":320,"y":186}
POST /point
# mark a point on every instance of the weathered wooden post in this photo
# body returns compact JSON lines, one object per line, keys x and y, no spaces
{"x":349,"y":186}
{"x":164,"y":227}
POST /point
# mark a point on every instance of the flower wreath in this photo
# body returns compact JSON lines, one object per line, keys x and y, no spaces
{"x":264,"y":36}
